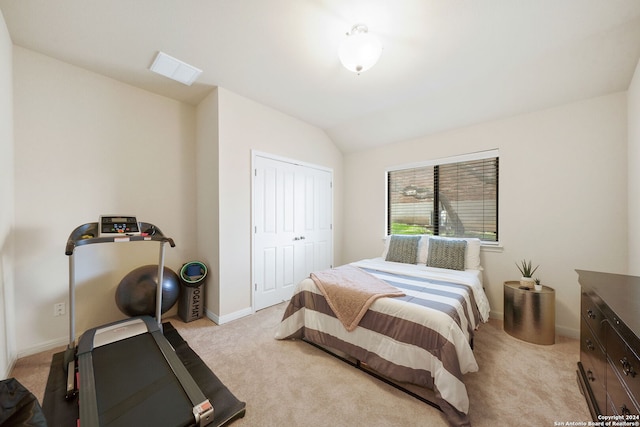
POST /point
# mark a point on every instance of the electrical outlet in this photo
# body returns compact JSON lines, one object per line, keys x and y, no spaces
{"x":59,"y":309}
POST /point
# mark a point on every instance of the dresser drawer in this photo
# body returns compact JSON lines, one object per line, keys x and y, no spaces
{"x":594,"y":363}
{"x":610,"y":311}
{"x":593,"y":316}
{"x":618,"y":400}
{"x":624,"y":360}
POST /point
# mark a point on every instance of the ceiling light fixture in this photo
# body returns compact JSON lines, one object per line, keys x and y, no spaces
{"x":175,"y":69}
{"x":360,"y":50}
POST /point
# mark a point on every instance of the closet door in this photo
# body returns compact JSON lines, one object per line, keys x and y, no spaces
{"x":292,"y":212}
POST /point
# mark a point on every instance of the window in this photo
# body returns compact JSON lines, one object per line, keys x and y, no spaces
{"x":456,"y":197}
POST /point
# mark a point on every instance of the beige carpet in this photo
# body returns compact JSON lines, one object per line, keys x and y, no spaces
{"x":292,"y":383}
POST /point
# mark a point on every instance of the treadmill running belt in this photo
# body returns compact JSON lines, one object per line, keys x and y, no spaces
{"x":135,"y":386}
{"x":64,"y":413}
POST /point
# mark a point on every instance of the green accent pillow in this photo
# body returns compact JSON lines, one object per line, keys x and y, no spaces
{"x":446,"y":253}
{"x":403,"y":249}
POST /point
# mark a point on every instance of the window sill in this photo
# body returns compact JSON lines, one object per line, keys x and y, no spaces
{"x":491,"y":247}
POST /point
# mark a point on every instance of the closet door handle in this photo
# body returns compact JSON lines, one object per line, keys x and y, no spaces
{"x":627,"y":369}
{"x":591,"y":314}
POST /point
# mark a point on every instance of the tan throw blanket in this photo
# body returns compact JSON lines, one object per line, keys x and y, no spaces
{"x":350,"y":292}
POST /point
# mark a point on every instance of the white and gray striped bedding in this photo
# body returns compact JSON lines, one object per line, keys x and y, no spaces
{"x":422,"y":338}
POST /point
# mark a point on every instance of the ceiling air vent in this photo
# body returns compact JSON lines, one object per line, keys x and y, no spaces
{"x":175,"y":69}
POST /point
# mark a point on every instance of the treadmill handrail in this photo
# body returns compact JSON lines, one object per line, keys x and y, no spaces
{"x":88,"y":234}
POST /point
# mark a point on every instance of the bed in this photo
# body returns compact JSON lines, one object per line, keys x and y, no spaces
{"x":423,"y":338}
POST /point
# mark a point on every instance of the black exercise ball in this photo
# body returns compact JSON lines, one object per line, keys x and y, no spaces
{"x":136,"y":293}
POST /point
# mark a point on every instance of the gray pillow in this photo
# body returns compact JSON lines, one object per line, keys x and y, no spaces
{"x":403,"y":249}
{"x":446,"y":253}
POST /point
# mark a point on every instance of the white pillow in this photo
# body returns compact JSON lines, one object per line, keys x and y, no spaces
{"x":472,"y":257}
{"x":385,"y":251}
{"x":423,"y":249}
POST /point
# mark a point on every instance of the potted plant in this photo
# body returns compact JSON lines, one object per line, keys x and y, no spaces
{"x":538,"y":285}
{"x":527,"y":270}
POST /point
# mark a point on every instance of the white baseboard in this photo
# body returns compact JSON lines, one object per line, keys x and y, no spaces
{"x":498,"y":315}
{"x":45,"y":346}
{"x":568,"y":332}
{"x":220,"y":320}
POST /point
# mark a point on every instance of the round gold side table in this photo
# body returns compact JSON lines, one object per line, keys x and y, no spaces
{"x":530,"y":315}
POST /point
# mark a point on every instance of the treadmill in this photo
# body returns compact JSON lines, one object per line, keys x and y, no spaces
{"x":126,"y":373}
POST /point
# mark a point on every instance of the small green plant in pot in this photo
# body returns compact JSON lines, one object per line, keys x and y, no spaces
{"x":526,"y":269}
{"x":538,"y":285}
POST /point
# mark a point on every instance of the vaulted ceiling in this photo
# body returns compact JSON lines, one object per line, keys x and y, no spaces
{"x":445,"y":63}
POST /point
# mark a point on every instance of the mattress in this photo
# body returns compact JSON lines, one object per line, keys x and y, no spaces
{"x":423,"y":338}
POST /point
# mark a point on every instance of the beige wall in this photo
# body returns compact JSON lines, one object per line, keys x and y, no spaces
{"x":243,"y":126}
{"x":633,"y":196}
{"x":208,"y":215}
{"x":563,"y":195}
{"x":7,"y":318}
{"x":88,"y":145}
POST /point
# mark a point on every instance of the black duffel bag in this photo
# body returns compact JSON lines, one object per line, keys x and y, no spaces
{"x":18,"y":406}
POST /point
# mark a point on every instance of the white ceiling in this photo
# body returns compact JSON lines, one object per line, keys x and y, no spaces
{"x":445,"y":64}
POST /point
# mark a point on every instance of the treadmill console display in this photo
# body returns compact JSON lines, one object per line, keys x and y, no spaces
{"x":112,"y":225}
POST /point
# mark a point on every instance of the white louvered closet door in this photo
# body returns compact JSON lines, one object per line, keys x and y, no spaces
{"x":292,"y":218}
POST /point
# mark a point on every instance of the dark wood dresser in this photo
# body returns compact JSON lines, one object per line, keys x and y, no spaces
{"x":609,"y":366}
